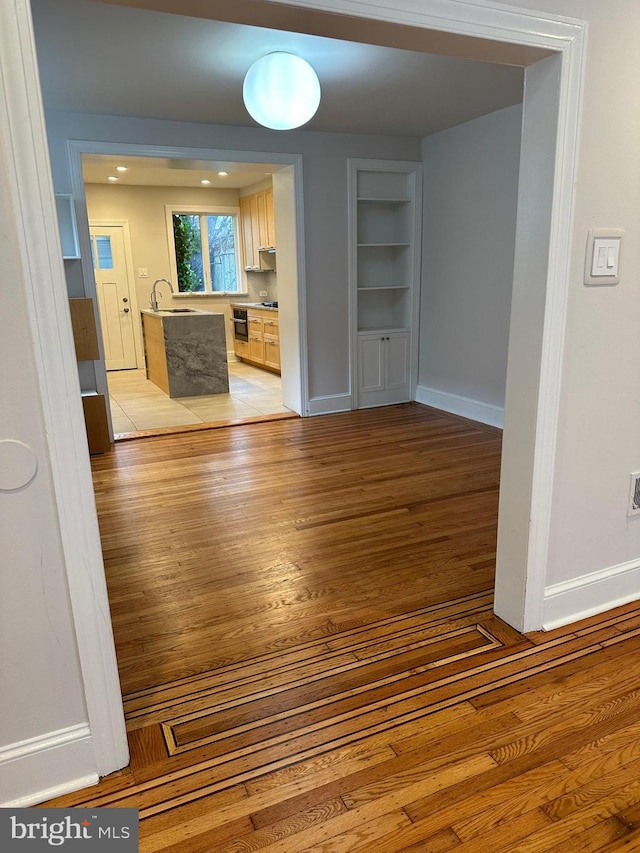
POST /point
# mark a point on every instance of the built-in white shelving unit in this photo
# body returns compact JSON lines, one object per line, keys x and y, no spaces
{"x":67,"y":227}
{"x":384,"y":246}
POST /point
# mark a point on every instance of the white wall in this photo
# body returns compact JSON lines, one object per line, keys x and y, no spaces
{"x":600,"y":409}
{"x":44,"y":735}
{"x":42,"y":692}
{"x":470,"y":204}
{"x":325,"y":208}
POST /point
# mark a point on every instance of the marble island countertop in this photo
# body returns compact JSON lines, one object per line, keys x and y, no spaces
{"x":178,"y":312}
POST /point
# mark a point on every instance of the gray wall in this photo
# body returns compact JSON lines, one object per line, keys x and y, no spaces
{"x":470,"y":202}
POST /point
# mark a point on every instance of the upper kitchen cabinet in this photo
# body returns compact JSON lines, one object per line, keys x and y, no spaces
{"x":258,"y":231}
{"x":384,"y":248}
{"x":266,"y":225}
{"x":250,"y":238}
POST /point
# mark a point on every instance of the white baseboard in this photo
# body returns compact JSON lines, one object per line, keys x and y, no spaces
{"x":330,"y":404}
{"x":475,"y":410}
{"x":587,"y":595}
{"x":51,"y":765}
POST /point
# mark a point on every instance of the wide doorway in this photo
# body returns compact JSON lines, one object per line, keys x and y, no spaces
{"x":171,"y":240}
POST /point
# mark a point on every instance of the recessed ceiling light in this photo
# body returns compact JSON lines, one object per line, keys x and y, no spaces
{"x":205,"y":181}
{"x":112,"y":178}
{"x":121,"y":168}
{"x":223,"y":174}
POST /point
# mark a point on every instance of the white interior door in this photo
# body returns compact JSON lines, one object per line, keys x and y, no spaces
{"x":114,"y":298}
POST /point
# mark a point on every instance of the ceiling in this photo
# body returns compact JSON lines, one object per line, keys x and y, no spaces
{"x":171,"y":172}
{"x":114,"y":60}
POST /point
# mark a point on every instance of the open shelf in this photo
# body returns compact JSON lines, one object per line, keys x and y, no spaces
{"x":376,"y":184}
{"x":384,"y":212}
{"x":384,"y":308}
{"x":384,"y":221}
{"x":384,"y":265}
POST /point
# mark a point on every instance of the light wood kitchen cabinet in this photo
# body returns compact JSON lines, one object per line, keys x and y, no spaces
{"x":270,"y":324}
{"x":241,"y":348}
{"x":258,"y":231}
{"x":263,"y":346}
{"x":256,"y":347}
{"x":250,"y":234}
{"x":266,"y":225}
{"x":272,"y":352}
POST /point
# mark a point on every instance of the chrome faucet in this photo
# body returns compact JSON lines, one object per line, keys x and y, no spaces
{"x":154,"y":295}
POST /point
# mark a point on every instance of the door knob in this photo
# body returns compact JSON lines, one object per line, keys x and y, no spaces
{"x":124,"y":299}
{"x":126,"y":310}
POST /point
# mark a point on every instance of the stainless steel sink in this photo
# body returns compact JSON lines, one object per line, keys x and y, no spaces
{"x":177,"y":311}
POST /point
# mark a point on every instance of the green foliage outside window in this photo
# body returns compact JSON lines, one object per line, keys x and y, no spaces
{"x":186,"y":233}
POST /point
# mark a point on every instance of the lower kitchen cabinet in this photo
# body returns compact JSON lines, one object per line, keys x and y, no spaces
{"x":383,"y":368}
{"x":272,"y":352}
{"x":256,"y":347}
{"x":241,"y":348}
{"x":263,"y":347}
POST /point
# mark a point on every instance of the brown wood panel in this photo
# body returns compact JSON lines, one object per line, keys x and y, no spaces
{"x":95,"y":418}
{"x":302,"y":614}
{"x":154,"y":351}
{"x":83,"y":323}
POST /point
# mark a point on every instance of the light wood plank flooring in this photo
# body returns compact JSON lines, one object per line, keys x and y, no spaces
{"x":138,"y":405}
{"x":310,"y":662}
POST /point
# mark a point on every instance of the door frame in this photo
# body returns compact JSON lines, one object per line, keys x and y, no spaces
{"x":22,"y":129}
{"x":293,"y":332}
{"x":133,"y":294}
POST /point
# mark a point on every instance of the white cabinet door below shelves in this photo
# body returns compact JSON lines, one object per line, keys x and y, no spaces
{"x":383,"y":368}
{"x":397,"y":361}
{"x":370,"y":363}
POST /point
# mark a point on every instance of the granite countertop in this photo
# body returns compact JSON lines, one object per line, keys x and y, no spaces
{"x":252,"y":305}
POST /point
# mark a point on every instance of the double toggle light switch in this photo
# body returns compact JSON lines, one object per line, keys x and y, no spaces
{"x":602,"y":263}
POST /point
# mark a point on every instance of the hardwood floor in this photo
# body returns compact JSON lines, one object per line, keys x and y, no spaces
{"x":302,"y":614}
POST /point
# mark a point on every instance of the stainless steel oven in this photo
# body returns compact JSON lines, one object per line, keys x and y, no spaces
{"x":240,"y":324}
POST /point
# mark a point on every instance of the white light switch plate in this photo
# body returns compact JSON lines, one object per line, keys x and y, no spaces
{"x":602,"y":261}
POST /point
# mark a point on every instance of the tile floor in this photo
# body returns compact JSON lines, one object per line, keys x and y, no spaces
{"x":137,"y":404}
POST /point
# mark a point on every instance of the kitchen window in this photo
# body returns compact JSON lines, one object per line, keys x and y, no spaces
{"x":203,"y":245}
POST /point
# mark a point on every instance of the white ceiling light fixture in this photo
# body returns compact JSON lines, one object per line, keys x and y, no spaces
{"x":281,"y":91}
{"x":205,"y":181}
{"x":112,"y":178}
{"x":121,"y":168}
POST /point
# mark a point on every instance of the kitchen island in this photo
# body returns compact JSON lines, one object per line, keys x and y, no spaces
{"x":186,"y":351}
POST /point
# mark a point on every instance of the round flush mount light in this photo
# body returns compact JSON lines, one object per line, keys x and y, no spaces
{"x":112,"y":178}
{"x":281,"y":91}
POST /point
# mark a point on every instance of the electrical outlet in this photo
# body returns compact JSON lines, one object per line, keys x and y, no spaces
{"x":634,"y":495}
{"x":263,"y":293}
{"x":143,"y":272}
